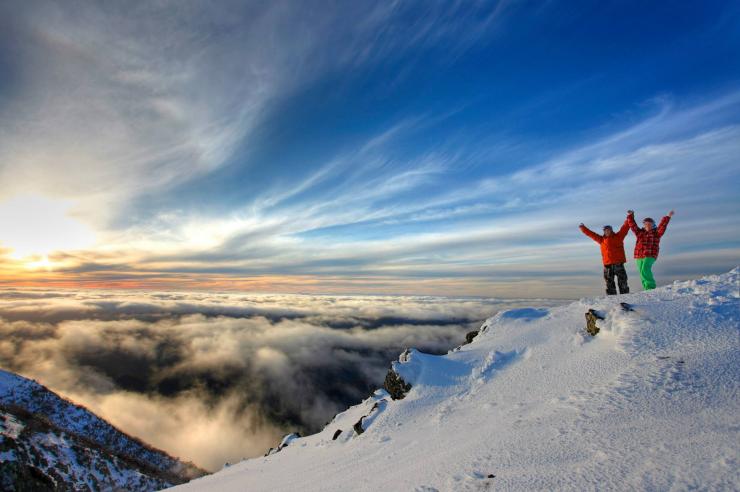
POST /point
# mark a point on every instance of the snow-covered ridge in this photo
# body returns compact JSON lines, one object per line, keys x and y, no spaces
{"x":56,"y":429}
{"x":36,"y":455}
{"x":535,"y":403}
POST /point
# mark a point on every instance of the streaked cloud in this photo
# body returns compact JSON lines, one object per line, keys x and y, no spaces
{"x":290,"y":147}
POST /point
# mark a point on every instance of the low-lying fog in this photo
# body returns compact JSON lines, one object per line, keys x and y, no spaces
{"x":214,"y":378}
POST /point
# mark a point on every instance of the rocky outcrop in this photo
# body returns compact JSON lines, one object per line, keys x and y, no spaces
{"x":37,"y":455}
{"x":470,"y":336}
{"x":396,"y":387}
{"x":45,"y":438}
{"x":591,"y":318}
{"x":359,"y":426}
{"x":29,"y":400}
{"x":284,"y":443}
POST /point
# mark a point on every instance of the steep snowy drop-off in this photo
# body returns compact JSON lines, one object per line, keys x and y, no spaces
{"x":51,"y":440}
{"x":35,"y":455}
{"x":534,"y":403}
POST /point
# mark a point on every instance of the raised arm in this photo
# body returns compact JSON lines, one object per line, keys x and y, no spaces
{"x":664,"y":223}
{"x":631,"y":222}
{"x":623,"y":230}
{"x":591,"y":233}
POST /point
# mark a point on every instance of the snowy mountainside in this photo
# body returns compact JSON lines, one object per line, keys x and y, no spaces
{"x":60,"y":442}
{"x":37,"y":456}
{"x":535,"y":403}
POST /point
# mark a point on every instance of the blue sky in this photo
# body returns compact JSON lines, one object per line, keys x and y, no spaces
{"x":398,"y":147}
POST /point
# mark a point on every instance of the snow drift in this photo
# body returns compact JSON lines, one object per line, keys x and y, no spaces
{"x":534,"y":402}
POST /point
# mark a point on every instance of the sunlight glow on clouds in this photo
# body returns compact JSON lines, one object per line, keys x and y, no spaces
{"x":34,"y":225}
{"x":369,"y":147}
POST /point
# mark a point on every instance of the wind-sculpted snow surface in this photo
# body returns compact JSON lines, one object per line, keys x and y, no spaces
{"x":534,"y":403}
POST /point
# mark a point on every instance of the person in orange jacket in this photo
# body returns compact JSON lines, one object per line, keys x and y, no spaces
{"x":612,"y":254}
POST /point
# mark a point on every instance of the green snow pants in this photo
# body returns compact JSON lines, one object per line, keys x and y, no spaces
{"x":645,"y":267}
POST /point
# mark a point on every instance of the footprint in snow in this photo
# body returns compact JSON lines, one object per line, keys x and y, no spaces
{"x":472,"y":481}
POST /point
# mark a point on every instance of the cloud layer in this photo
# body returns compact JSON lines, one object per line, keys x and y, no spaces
{"x":218,"y":377}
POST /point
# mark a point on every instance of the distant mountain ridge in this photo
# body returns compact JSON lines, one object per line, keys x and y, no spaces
{"x":53,"y":443}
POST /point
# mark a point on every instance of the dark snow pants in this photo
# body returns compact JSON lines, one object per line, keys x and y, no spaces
{"x":610,"y":271}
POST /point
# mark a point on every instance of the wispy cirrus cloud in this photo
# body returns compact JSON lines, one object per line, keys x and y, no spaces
{"x":373,"y":221}
{"x":247,"y":145}
{"x":147,"y":96}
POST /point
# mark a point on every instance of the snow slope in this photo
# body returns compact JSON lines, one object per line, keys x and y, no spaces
{"x":534,"y":403}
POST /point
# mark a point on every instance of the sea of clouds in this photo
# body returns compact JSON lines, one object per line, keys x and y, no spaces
{"x":215,"y":377}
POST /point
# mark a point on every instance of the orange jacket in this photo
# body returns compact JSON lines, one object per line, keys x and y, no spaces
{"x":612,"y":247}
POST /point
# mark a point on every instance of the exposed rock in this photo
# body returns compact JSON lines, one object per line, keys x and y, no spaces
{"x":69,"y":444}
{"x":470,"y":336}
{"x":284,"y":442}
{"x":405,"y":356}
{"x":359,"y":429}
{"x":395,"y":386}
{"x":336,"y":434}
{"x":358,"y":426}
{"x":37,"y":456}
{"x":591,"y":317}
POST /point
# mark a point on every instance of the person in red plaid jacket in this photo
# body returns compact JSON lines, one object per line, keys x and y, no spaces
{"x":648,"y":245}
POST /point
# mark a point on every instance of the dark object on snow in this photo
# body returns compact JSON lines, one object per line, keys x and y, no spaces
{"x":358,"y":426}
{"x":395,"y":386}
{"x":375,"y":408}
{"x":470,"y":336}
{"x":591,"y":317}
{"x":491,"y":475}
{"x":666,"y":357}
{"x":288,"y":439}
{"x":336,"y":434}
{"x":284,"y":442}
{"x":626,"y":307}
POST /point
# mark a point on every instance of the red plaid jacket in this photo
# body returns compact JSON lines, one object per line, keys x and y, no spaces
{"x":648,"y":241}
